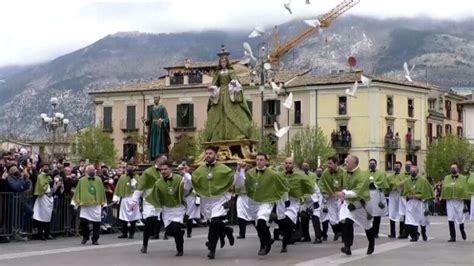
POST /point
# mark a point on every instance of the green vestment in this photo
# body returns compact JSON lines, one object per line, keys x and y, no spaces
{"x":470,"y":184}
{"x":330,"y":183}
{"x":148,"y":178}
{"x":419,"y":188}
{"x":42,"y":184}
{"x":379,"y":179}
{"x":89,"y":192}
{"x":395,"y":182}
{"x":266,"y":187}
{"x":358,"y":182}
{"x":454,"y":188}
{"x":124,"y":186}
{"x":212,"y":180}
{"x":167,"y":193}
{"x":300,"y":184}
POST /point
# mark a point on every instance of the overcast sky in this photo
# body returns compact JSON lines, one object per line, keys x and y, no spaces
{"x":32,"y":31}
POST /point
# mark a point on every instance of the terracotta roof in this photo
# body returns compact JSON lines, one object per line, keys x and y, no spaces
{"x":201,"y":64}
{"x":144,"y":86}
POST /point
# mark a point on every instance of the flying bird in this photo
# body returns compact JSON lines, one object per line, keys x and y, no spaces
{"x":282,"y":131}
{"x":315,"y":23}
{"x":257,"y":32}
{"x":365,"y":80}
{"x":308,"y":2}
{"x":248,"y":51}
{"x":407,"y":71}
{"x":288,"y":104}
{"x":276,"y":88}
{"x":286,"y":4}
{"x":352,"y":90}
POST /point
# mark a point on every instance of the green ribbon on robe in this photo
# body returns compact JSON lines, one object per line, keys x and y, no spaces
{"x":124,"y":186}
{"x":419,"y":188}
{"x":167,"y":193}
{"x":148,"y":178}
{"x":358,"y":182}
{"x":42,"y":184}
{"x":470,"y":184}
{"x":89,"y":192}
{"x":266,"y":187}
{"x":210,"y":181}
{"x":454,"y":189}
{"x":300,"y":184}
{"x":330,"y":183}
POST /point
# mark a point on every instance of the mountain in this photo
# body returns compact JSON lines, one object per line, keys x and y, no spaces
{"x":443,"y":52}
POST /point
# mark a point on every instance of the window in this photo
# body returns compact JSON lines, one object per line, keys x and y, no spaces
{"x":297,"y":118}
{"x":412,"y":158}
{"x":250,"y":105}
{"x":430,"y":133}
{"x":131,"y":117}
{"x":459,"y":109}
{"x":439,"y":131}
{"x":459,"y":131}
{"x":389,"y":105}
{"x":390,"y":160}
{"x":129,"y":151}
{"x":148,"y":108}
{"x":448,"y":130}
{"x":448,"y":109}
{"x":195,"y":77}
{"x":432,"y":104}
{"x":177,"y":78}
{"x":411,"y":107}
{"x":272,"y":111}
{"x":343,"y":105}
{"x":185,"y":115}
{"x":107,"y":122}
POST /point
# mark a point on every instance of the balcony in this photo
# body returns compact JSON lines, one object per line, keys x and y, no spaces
{"x":177,"y":80}
{"x":413,"y":145}
{"x":342,"y":142}
{"x":195,"y":78}
{"x":391,"y":145}
{"x":184,"y":124}
{"x":128,"y":125}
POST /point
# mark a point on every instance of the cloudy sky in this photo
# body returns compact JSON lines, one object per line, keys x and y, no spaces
{"x":32,"y":31}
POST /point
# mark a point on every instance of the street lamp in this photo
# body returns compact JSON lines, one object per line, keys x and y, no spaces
{"x":53,"y":122}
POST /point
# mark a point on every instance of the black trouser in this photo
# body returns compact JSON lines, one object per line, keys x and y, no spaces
{"x":324,"y":233}
{"x":175,"y":230}
{"x":348,"y":234}
{"x":288,"y":229}
{"x":242,"y":227}
{"x":43,"y":228}
{"x":189,"y":226}
{"x":316,"y":227}
{"x":125,"y":228}
{"x":216,"y":228}
{"x":157,"y":227}
{"x":412,"y":231}
{"x":86,"y":232}
{"x":305,"y":217}
{"x":263,"y":232}
{"x":336,"y":228}
{"x":150,"y":224}
{"x":376,"y":225}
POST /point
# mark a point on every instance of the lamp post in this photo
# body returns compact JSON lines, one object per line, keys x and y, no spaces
{"x":53,"y":122}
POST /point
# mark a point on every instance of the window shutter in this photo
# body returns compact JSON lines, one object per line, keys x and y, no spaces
{"x":277,"y":107}
{"x":179,"y":119}
{"x":191,"y":115}
{"x":130,"y":117}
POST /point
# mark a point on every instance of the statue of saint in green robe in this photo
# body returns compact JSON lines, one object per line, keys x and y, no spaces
{"x":158,"y":123}
{"x":228,"y":116}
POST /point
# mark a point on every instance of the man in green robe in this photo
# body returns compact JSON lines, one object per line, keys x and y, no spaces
{"x":264,"y":188}
{"x":90,"y":197}
{"x":168,"y":193}
{"x":377,"y":204}
{"x":288,"y":208}
{"x":395,"y":182}
{"x":355,"y":195}
{"x":330,"y":183}
{"x":44,"y":203}
{"x":454,"y":192}
{"x":158,"y":123}
{"x":212,"y":181}
{"x":417,"y":191}
{"x":123,"y":193}
{"x":227,"y":109}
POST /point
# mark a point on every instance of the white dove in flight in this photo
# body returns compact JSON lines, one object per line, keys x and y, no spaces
{"x":286,"y":4}
{"x":365,"y":80}
{"x":407,"y":71}
{"x":257,"y":32}
{"x":315,"y":23}
{"x":352,"y":90}
{"x":248,"y":49}
{"x":308,"y":2}
{"x":282,"y":131}
{"x":288,"y":104}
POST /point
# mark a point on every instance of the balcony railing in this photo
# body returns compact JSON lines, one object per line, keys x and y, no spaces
{"x":177,"y":80}
{"x":128,"y":126}
{"x":195,"y":79}
{"x":392,"y":144}
{"x":413,"y":145}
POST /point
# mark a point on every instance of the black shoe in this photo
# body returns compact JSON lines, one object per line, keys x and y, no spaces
{"x":143,"y":250}
{"x":346,"y":251}
{"x":42,"y":237}
{"x":155,"y":237}
{"x":212,"y":254}
{"x":269,"y":247}
{"x":50,"y":237}
{"x":402,"y":237}
{"x":452,"y":240}
{"x":95,"y":243}
{"x":179,"y":254}
{"x":317,"y":241}
{"x":122,"y":236}
{"x":261,"y":252}
{"x":325,"y":238}
{"x":241,"y":237}
{"x":376,"y":236}
{"x":306,"y":240}
{"x":188,"y":236}
{"x":284,"y":250}
{"x":84,"y":241}
{"x":414,"y":240}
{"x":336,"y":236}
{"x":370,"y":250}
{"x":391,"y":236}
{"x":424,"y":237}
{"x":130,"y":236}
{"x":463,"y":235}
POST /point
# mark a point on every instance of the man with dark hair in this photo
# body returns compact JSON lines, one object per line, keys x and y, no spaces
{"x":330,"y":183}
{"x":44,"y":203}
{"x":377,"y":204}
{"x":168,"y":193}
{"x":126,"y":186}
{"x":212,"y":181}
{"x":395,"y":186}
{"x":354,"y":210}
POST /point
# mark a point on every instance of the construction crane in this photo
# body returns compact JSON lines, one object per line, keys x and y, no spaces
{"x":326,"y":19}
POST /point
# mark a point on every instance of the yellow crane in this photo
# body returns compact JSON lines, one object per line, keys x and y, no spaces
{"x":280,"y":50}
